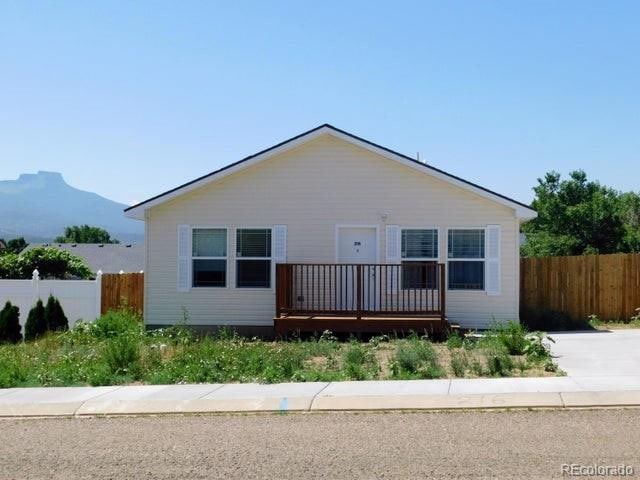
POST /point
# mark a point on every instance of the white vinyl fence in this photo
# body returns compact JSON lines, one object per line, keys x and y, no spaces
{"x":80,"y":299}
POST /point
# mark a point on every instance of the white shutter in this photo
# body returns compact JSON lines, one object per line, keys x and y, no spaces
{"x":492,"y":270}
{"x":393,"y":244}
{"x":280,"y":243}
{"x":184,"y":258}
{"x":393,"y":256}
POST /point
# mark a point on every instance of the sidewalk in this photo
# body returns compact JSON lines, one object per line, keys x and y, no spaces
{"x":551,"y":392}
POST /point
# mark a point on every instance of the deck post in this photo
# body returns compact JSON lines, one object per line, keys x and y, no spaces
{"x":281,"y":287}
{"x":359,"y":292}
{"x":442,"y":291}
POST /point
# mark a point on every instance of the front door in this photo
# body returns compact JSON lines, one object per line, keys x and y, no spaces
{"x":358,"y":245}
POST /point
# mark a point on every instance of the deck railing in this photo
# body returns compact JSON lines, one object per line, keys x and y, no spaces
{"x":412,"y":289}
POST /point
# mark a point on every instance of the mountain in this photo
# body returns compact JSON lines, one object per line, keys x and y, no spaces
{"x":39,"y":206}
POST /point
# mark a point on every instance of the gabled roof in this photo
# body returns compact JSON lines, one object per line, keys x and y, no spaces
{"x":108,"y":257}
{"x":522,"y":211}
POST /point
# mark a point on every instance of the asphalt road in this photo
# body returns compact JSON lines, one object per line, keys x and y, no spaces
{"x":334,"y":445}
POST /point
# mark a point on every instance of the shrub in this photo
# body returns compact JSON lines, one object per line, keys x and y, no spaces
{"x":359,"y":362}
{"x":117,"y":322}
{"x":415,"y":358}
{"x":54,"y":315}
{"x":454,"y":340}
{"x":513,"y":337}
{"x":536,"y":348}
{"x":122,"y":355}
{"x":9,"y":266}
{"x":10,"y":330}
{"x":36,"y":324}
{"x":499,"y":363}
{"x":50,"y":262}
{"x":459,"y":363}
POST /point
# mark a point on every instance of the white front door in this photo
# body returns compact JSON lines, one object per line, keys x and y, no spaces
{"x":358,"y":245}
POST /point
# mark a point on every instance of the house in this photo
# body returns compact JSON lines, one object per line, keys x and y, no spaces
{"x":329,"y":230}
{"x":107,"y":257}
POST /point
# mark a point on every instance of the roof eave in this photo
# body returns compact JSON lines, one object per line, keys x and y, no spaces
{"x":522,"y":211}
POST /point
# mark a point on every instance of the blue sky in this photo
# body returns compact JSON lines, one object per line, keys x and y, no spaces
{"x":129,"y":99}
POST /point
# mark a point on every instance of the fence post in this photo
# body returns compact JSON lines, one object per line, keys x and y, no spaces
{"x":98,"y":293}
{"x":35,"y":296}
{"x":35,"y":286}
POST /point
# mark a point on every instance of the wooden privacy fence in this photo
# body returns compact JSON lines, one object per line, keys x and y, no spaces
{"x":122,"y":289}
{"x":605,"y":285}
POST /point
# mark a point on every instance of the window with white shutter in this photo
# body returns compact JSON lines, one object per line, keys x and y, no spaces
{"x":393,"y":244}
{"x":419,"y":252}
{"x":466,"y":258}
{"x":184,"y":258}
{"x":493,"y":283}
{"x":393,"y":256}
{"x":253,"y":258}
{"x":280,"y":243}
{"x":209,"y":257}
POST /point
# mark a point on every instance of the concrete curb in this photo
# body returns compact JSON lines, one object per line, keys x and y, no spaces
{"x":482,"y":394}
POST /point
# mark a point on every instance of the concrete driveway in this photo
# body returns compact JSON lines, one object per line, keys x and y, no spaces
{"x":598,"y":353}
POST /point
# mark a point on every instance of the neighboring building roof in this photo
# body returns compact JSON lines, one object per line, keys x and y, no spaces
{"x":2,"y":245}
{"x":108,"y":257}
{"x":522,"y":211}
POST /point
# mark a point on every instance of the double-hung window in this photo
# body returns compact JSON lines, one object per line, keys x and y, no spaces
{"x":466,"y":259}
{"x":253,"y":258}
{"x":209,"y":257}
{"x":419,"y":248}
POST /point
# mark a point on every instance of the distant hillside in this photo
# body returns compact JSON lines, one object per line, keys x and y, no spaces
{"x":39,"y":206}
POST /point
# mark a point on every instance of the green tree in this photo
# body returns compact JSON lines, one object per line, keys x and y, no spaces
{"x":49,"y":261}
{"x":15,"y":245}
{"x":85,"y":234}
{"x":36,"y":325}
{"x":577,"y":216}
{"x":10,"y":330}
{"x":630,"y":212}
{"x":54,"y":315}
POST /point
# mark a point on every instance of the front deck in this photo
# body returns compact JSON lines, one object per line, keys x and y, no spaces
{"x":376,"y":298}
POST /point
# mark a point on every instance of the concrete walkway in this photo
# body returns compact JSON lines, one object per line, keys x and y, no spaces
{"x":552,"y":392}
{"x":598,"y":353}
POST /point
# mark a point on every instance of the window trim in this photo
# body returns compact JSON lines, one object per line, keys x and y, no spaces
{"x":435,"y":259}
{"x":192,"y":257}
{"x":236,"y":258}
{"x":483,"y":290}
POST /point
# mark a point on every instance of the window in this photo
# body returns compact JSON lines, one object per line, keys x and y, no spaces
{"x":253,"y":264}
{"x":466,"y":256}
{"x":419,"y":248}
{"x":209,"y":257}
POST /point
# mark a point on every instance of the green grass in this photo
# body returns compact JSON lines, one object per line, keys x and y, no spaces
{"x":415,"y":358}
{"x":600,"y":324}
{"x":116,"y":349}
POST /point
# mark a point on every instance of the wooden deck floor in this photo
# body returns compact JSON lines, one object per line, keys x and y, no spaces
{"x":341,"y":324}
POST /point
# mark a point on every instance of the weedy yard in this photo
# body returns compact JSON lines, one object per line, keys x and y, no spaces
{"x":116,"y":349}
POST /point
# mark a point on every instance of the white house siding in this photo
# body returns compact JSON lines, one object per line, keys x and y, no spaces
{"x":311,"y":189}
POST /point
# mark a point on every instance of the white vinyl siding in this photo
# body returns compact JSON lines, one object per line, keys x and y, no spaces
{"x":311,"y":189}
